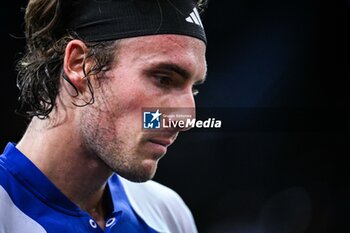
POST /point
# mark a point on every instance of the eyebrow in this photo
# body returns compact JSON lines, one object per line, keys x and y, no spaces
{"x":185,"y":74}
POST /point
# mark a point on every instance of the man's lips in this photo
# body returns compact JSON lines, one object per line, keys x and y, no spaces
{"x":162,"y":142}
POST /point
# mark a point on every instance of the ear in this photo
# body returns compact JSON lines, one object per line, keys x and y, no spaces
{"x":74,"y":59}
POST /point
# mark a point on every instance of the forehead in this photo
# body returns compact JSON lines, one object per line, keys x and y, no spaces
{"x":185,"y":51}
{"x":163,"y":42}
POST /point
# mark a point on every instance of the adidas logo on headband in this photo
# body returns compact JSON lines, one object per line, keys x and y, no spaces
{"x":194,"y":18}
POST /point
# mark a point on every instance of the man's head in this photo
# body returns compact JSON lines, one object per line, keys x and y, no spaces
{"x":107,"y":83}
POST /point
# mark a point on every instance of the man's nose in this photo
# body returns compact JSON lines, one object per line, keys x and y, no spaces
{"x":185,"y":110}
{"x":185,"y":100}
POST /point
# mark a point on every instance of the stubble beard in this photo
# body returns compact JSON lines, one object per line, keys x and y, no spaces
{"x":104,"y":144}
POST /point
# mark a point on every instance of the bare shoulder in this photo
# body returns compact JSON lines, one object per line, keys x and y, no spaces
{"x":161,"y":207}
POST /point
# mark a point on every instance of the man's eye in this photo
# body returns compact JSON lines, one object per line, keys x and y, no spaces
{"x":163,"y":80}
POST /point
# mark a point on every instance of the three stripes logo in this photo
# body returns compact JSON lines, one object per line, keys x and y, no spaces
{"x":194,"y":18}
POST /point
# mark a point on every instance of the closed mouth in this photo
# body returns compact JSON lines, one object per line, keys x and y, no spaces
{"x":162,"y":142}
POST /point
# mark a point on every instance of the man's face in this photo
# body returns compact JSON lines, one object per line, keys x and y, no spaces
{"x":152,"y":71}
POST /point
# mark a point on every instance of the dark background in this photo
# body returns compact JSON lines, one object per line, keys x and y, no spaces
{"x":277,"y":75}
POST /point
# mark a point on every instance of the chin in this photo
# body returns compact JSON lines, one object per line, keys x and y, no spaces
{"x":143,"y":173}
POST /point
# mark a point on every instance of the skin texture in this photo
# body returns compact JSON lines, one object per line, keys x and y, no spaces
{"x":79,"y":148}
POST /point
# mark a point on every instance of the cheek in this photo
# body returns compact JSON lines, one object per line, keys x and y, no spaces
{"x":127,"y":93}
{"x":122,"y":108}
{"x":133,"y":98}
{"x":131,"y":101}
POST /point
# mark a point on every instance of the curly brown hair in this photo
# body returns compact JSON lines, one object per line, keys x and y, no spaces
{"x":41,"y":68}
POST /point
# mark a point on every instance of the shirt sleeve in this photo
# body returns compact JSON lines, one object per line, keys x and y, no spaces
{"x":160,"y":207}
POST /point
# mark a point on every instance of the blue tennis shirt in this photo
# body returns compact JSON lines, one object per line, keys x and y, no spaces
{"x":30,"y":203}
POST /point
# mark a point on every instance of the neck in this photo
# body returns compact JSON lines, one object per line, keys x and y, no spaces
{"x":56,"y":151}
